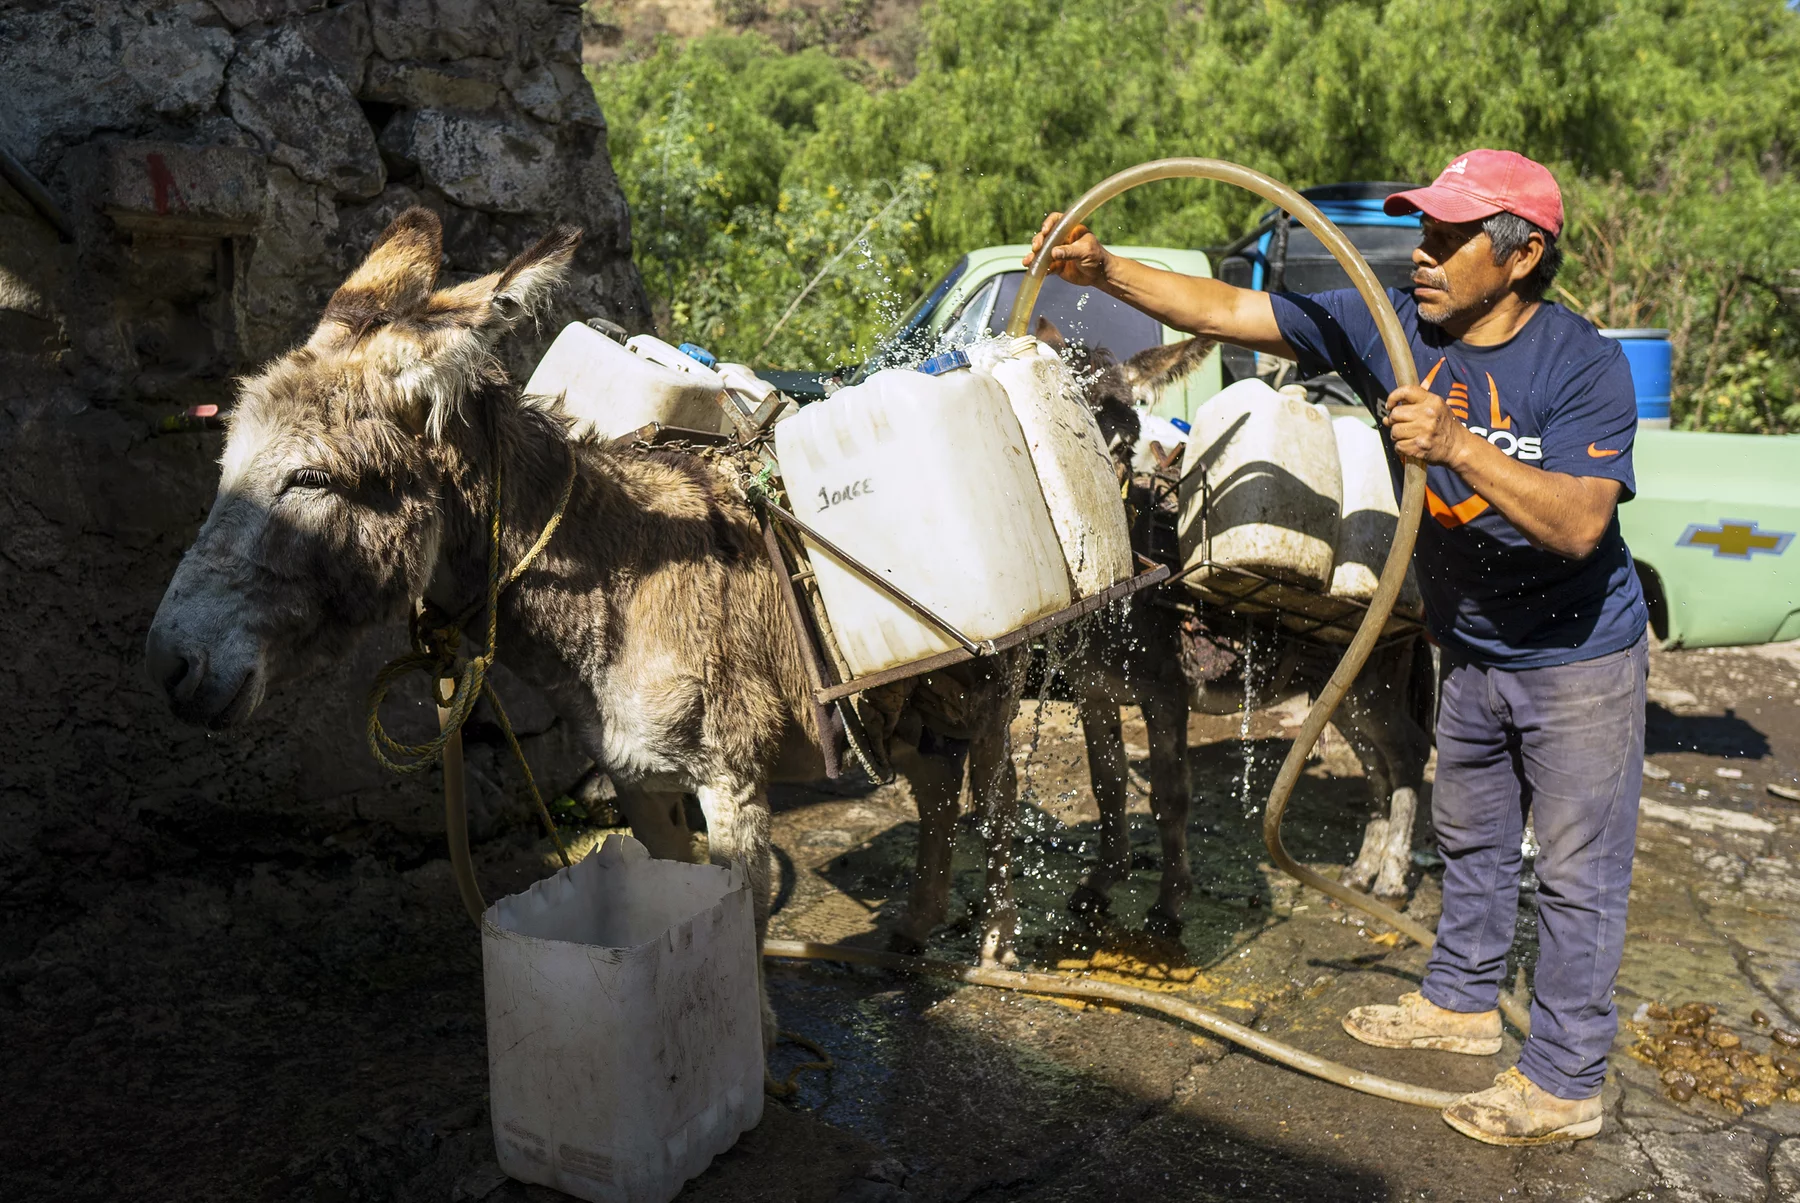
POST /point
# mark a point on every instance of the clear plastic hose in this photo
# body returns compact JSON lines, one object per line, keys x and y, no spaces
{"x":1412,"y":498}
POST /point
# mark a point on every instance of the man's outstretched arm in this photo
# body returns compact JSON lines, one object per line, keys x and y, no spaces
{"x":1208,"y":308}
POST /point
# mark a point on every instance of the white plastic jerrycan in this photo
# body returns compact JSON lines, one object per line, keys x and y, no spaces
{"x":928,"y":481}
{"x":1070,"y":457}
{"x":1261,"y":488}
{"x":611,"y":390}
{"x":624,"y":1024}
{"x":1370,"y":517}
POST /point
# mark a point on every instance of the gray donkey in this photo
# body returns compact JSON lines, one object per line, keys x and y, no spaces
{"x":1163,"y":656}
{"x":358,"y":477}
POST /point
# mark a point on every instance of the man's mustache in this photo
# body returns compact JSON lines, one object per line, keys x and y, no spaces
{"x":1429,"y":279}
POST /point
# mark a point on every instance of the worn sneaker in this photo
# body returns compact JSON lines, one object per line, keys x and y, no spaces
{"x":1417,"y":1022}
{"x":1517,"y":1111}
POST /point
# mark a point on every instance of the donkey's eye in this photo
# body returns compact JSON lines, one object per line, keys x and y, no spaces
{"x":308,"y":478}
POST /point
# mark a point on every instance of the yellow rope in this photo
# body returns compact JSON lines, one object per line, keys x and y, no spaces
{"x":436,"y":645}
{"x":791,"y":1087}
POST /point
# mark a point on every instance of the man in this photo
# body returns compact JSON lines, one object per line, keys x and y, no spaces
{"x":1524,"y":417}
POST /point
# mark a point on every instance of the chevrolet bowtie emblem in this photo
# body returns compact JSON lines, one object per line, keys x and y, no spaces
{"x":1736,"y":539}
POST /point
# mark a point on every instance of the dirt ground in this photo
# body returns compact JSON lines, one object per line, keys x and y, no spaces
{"x":249,"y":1015}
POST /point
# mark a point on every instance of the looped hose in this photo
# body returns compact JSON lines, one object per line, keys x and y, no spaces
{"x":436,"y":642}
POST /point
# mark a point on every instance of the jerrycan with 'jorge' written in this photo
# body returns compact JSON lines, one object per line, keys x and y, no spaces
{"x":624,"y":1024}
{"x":926,"y":480}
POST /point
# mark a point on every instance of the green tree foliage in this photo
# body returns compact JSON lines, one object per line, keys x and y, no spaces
{"x":1673,"y":125}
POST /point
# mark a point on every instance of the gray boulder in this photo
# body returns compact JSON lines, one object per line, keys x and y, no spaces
{"x":286,"y":93}
{"x":345,"y":37}
{"x":239,"y":13}
{"x":71,"y":68}
{"x":439,"y":30}
{"x":471,"y":84}
{"x":483,"y":160}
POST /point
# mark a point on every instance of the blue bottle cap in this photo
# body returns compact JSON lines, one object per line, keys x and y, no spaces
{"x":1183,"y":427}
{"x":701,"y":353}
{"x":949,"y":361}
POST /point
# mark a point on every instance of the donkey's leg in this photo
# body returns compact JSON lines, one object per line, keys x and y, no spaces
{"x":658,"y":821}
{"x":1107,"y":770}
{"x":994,"y":786}
{"x":1393,"y":750}
{"x":737,"y":827}
{"x":1367,"y":866}
{"x":1165,"y":719}
{"x":1396,"y":855}
{"x":936,"y":781}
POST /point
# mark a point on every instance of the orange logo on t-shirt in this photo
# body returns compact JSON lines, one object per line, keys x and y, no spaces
{"x":1452,"y":516}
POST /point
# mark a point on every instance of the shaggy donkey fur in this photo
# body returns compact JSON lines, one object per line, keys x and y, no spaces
{"x":357,"y":478}
{"x":1165,"y":662}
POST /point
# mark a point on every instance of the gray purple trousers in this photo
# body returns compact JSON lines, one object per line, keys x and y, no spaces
{"x":1564,"y":745}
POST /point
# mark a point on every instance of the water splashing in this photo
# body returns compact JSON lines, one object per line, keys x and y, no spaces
{"x":1244,"y":744}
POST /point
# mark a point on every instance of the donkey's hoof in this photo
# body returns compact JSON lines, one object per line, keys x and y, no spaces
{"x":1163,"y":925}
{"x":905,"y":945}
{"x":1089,"y":902}
{"x":1004,"y":958}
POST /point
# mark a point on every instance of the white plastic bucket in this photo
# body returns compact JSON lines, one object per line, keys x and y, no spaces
{"x":624,"y":1024}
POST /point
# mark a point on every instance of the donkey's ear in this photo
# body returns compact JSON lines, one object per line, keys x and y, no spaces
{"x":444,"y":349}
{"x":395,"y":280}
{"x":1155,"y":368}
{"x":1049,"y":335}
{"x":491,"y":305}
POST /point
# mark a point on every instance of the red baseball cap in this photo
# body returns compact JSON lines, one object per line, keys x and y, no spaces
{"x":1482,"y":183}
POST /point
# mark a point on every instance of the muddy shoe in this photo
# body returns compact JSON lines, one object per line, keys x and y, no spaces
{"x":1417,"y":1022}
{"x":1517,"y":1111}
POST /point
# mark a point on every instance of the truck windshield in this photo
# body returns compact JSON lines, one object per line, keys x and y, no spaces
{"x":1083,"y":315}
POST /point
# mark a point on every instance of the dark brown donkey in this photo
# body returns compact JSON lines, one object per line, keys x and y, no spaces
{"x":1167,"y":662}
{"x":358,"y":477}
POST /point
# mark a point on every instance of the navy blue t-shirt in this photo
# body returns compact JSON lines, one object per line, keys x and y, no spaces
{"x":1557,"y":396}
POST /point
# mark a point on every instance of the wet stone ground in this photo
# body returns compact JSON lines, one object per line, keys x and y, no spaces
{"x":255,"y":1022}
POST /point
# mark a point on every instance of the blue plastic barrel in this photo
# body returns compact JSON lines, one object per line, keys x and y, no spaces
{"x":1648,"y":352}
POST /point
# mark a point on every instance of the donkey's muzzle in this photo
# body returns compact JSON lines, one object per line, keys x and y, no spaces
{"x":176,"y":672}
{"x":199,"y":689}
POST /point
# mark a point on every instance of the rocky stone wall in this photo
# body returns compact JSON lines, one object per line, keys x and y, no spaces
{"x":188,"y":181}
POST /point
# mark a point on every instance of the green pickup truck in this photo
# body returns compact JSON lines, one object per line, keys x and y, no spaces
{"x":1715,"y":515}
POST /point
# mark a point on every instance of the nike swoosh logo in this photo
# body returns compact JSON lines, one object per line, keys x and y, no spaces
{"x":1596,"y":453}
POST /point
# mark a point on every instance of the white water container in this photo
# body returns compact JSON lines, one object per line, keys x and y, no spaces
{"x":740,"y":379}
{"x":1261,"y":488}
{"x":624,"y":1024}
{"x":611,"y":390}
{"x":748,"y":391}
{"x":1073,"y":468}
{"x":1154,"y":428}
{"x":926,"y":480}
{"x":1370,"y":512}
{"x":1370,"y":516}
